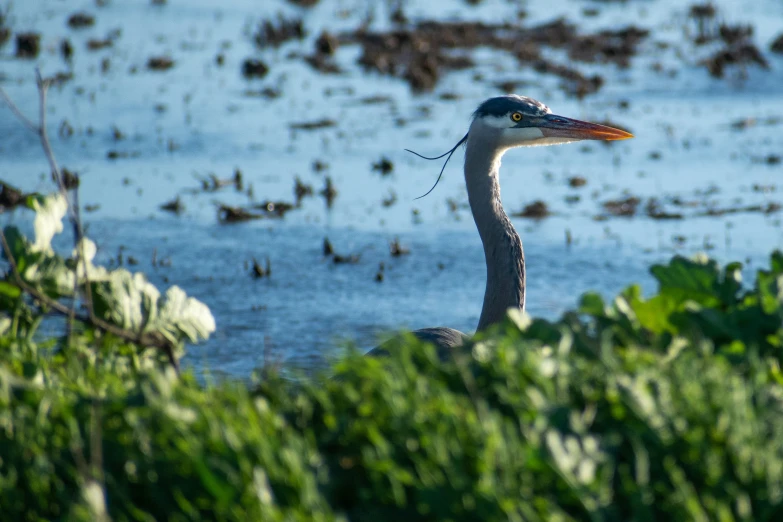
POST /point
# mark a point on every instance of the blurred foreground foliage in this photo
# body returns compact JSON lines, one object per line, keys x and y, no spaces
{"x":667,"y":407}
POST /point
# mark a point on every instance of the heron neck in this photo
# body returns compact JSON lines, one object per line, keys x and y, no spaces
{"x":503,"y":252}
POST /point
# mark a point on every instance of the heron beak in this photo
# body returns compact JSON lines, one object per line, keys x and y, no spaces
{"x":561,"y":127}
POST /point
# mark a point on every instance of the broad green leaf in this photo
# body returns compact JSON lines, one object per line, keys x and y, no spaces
{"x":686,"y":279}
{"x":130,"y":301}
{"x":715,"y":324}
{"x":190,"y":316}
{"x":182,"y":316}
{"x":655,"y":313}
{"x":121,"y":297}
{"x":592,"y":303}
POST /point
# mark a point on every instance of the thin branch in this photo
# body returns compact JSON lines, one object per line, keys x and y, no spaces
{"x":43,"y":87}
{"x":21,"y":117}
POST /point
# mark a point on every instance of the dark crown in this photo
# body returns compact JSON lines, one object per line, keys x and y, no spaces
{"x":503,"y":105}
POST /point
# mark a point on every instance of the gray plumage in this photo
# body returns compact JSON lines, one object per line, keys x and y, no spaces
{"x":499,"y":124}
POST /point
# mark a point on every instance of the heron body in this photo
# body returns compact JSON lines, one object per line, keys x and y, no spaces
{"x":499,"y":124}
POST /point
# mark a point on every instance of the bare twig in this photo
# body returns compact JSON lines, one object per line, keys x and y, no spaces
{"x":21,"y":117}
{"x":43,"y":87}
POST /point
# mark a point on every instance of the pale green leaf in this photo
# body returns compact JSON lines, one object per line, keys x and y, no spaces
{"x":49,"y":214}
{"x":186,"y":315}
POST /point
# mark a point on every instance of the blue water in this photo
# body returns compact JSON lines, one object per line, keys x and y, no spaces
{"x":199,"y":118}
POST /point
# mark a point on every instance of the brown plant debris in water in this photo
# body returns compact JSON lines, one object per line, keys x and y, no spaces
{"x":271,"y":34}
{"x":303,"y":3}
{"x":28,"y":45}
{"x":350,"y":259}
{"x":228,"y":214}
{"x":653,"y":208}
{"x":10,"y":197}
{"x":329,"y":192}
{"x":5,"y":32}
{"x":70,"y":179}
{"x":703,"y":15}
{"x":625,"y":207}
{"x":274,"y":208}
{"x":384,"y":166}
{"x":769,"y":159}
{"x":96,"y":44}
{"x":338,"y":259}
{"x":323,"y":63}
{"x":776,"y":46}
{"x":737,"y":47}
{"x":328,"y":249}
{"x":314,"y":125}
{"x":301,"y":189}
{"x":160,"y":63}
{"x":253,"y":68}
{"x":319,"y":166}
{"x":322,"y":59}
{"x":615,"y":47}
{"x":746,"y":123}
{"x":326,"y":43}
{"x":536,"y":210}
{"x":655,"y":211}
{"x":396,"y":249}
{"x":269,"y":93}
{"x":213,"y":183}
{"x":736,"y":54}
{"x":421,"y":53}
{"x":81,"y":20}
{"x":389,"y":200}
{"x":768,"y":208}
{"x":261,"y":271}
{"x":174,"y":206}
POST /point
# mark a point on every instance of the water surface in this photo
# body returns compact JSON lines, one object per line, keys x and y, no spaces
{"x":199,"y":118}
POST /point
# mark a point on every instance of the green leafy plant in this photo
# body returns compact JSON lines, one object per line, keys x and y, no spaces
{"x":118,"y":303}
{"x":640,"y":408}
{"x":661,"y":407}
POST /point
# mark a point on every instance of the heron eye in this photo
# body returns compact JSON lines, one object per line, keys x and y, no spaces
{"x":516,"y":116}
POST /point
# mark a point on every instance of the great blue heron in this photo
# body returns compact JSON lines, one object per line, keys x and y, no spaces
{"x":500,"y":124}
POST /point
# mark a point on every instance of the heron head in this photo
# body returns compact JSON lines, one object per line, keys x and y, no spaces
{"x":509,"y":121}
{"x":519,"y":121}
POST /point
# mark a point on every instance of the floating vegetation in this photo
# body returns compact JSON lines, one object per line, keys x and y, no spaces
{"x":535,"y":210}
{"x":160,"y":63}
